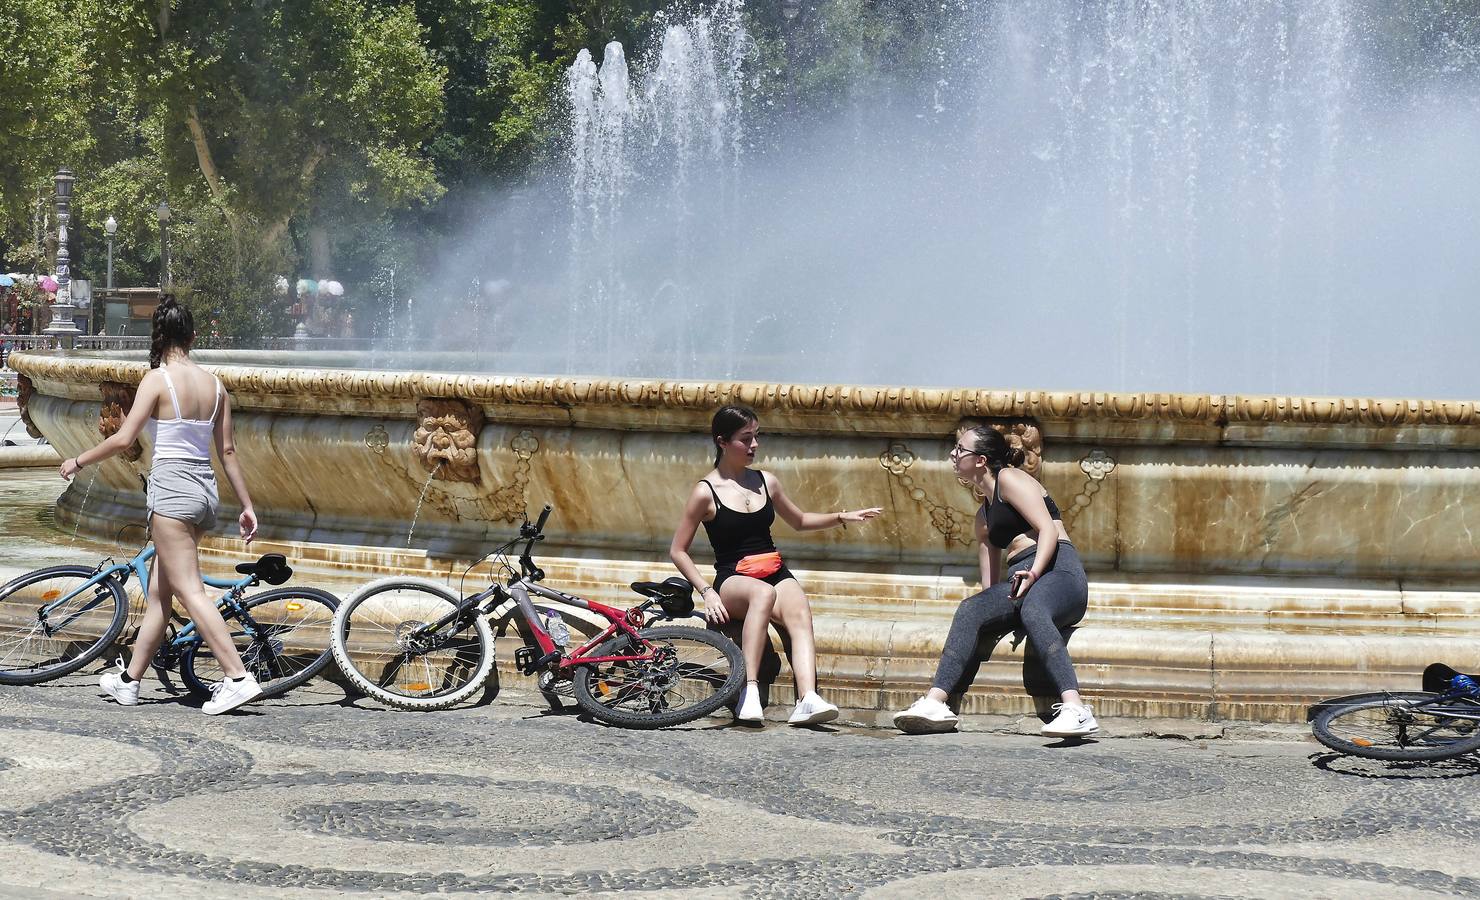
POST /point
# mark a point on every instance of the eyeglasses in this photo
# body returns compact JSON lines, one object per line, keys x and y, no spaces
{"x":959,"y":451}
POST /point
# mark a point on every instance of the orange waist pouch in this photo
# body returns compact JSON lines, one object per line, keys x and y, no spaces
{"x":759,"y":565}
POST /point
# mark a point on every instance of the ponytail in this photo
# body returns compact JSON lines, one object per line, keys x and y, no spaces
{"x":173,"y":327}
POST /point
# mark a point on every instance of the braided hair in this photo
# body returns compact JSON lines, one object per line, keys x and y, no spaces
{"x":173,"y":328}
{"x":993,"y":447}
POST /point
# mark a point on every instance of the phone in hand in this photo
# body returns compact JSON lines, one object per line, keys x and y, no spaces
{"x":1019,"y":581}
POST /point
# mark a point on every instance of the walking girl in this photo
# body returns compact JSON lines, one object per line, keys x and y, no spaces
{"x":186,"y":411}
{"x":737,"y":505}
{"x":1045,"y":588}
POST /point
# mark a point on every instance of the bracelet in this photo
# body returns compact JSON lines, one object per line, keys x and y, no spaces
{"x":842,"y":521}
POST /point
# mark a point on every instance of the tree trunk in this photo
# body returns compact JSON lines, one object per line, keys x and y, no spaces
{"x":207,"y":165}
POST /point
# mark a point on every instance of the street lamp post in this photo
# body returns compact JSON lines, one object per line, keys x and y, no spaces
{"x":165,"y":281}
{"x":111,"y":228}
{"x":62,"y":325}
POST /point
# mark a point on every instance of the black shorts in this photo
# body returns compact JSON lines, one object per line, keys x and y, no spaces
{"x":775,"y":578}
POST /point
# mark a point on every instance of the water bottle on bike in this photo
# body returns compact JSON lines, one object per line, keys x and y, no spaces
{"x":558,"y":631}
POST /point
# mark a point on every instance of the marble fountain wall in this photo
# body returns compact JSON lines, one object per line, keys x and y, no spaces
{"x":1246,"y":554}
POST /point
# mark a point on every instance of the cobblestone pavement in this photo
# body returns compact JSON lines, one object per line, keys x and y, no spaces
{"x":313,"y":794}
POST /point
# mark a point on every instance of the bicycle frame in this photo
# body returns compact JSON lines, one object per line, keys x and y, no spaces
{"x":138,"y":567}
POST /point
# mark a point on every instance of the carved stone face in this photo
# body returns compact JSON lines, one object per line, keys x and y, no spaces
{"x":24,"y":390}
{"x":446,"y":438}
{"x":118,"y":399}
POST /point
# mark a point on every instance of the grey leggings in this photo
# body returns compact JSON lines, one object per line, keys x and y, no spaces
{"x":1054,"y":602}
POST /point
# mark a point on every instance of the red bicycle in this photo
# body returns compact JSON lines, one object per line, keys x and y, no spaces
{"x":415,"y":644}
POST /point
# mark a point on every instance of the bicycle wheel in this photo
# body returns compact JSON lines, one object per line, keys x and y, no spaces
{"x":693,"y":673}
{"x":291,"y":647}
{"x":1407,"y":726}
{"x":376,"y":645}
{"x":36,"y":647}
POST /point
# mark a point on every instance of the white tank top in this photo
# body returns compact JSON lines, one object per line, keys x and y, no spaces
{"x":182,"y":438}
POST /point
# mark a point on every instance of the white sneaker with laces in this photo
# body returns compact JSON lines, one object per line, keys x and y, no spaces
{"x":126,"y":693}
{"x":926,"y":716}
{"x":227,"y":694}
{"x":1071,"y":721}
{"x":812,"y":710}
{"x":750,"y":704}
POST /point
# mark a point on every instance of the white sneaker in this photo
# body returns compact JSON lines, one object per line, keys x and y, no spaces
{"x":750,"y":704}
{"x":1071,"y":721}
{"x":812,"y":710}
{"x":926,"y":716}
{"x":227,"y":694}
{"x":126,"y":693}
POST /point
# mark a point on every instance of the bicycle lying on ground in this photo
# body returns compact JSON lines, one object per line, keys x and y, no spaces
{"x":56,"y":620}
{"x":415,"y":644}
{"x":1440,"y":722}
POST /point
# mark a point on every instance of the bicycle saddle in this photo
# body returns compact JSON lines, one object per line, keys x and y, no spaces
{"x":1437,"y":676}
{"x":675,"y":595}
{"x":272,"y":568}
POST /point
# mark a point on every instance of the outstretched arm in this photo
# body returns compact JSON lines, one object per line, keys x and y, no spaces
{"x":226,"y":451}
{"x":793,"y":515}
{"x":145,"y":400}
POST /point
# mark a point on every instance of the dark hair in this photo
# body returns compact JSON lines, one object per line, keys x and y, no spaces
{"x":728,"y":420}
{"x":993,"y":447}
{"x":173,"y":327}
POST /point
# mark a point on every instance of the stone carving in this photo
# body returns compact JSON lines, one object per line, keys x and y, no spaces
{"x":1212,"y":410}
{"x":1096,"y":466}
{"x":377,"y":439}
{"x":508,"y":503}
{"x":24,"y":390}
{"x":954,"y":525}
{"x":446,"y":438}
{"x":118,"y":399}
{"x":1022,"y":433}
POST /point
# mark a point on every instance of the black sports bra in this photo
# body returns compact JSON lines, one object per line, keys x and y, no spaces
{"x":735,"y":535}
{"x":1005,"y":523}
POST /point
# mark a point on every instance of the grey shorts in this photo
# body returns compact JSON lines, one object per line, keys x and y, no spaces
{"x":184,"y":489}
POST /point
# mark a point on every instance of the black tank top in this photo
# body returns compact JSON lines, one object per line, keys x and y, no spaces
{"x":1005,"y":523}
{"x":735,"y":535}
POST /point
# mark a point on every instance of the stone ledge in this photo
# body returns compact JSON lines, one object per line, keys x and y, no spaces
{"x":29,"y":456}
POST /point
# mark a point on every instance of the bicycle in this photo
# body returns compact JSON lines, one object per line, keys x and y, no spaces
{"x":1440,"y":722}
{"x":415,"y":644}
{"x":55,"y":620}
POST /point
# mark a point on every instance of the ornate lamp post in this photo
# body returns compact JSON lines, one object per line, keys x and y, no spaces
{"x":62,"y":325}
{"x":165,"y":281}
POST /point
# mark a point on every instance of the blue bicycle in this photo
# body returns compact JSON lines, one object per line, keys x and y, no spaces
{"x":56,"y":620}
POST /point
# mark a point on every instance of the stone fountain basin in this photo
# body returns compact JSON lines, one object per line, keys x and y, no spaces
{"x":1247,"y":554}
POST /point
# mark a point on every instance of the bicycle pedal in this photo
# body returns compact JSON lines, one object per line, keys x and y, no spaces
{"x":529,"y":664}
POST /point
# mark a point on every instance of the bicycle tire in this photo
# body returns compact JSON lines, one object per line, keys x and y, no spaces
{"x":276,"y":671}
{"x":371,"y":622}
{"x":1397,"y":708}
{"x":612,"y":704}
{"x":20,"y":599}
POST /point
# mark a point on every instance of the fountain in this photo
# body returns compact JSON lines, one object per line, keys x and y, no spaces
{"x":1096,"y":185}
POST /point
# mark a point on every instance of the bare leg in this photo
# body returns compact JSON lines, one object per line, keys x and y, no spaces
{"x":152,"y":626}
{"x":178,"y":546}
{"x":751,"y":601}
{"x":794,"y":613}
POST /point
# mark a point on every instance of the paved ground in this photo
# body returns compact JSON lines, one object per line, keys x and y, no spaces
{"x":313,"y":794}
{"x":316,"y":794}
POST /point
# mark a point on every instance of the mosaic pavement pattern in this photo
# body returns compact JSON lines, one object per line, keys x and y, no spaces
{"x":315,"y":794}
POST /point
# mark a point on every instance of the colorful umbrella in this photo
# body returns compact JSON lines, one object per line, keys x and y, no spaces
{"x":7,"y":281}
{"x":48,"y":284}
{"x":307,"y":286}
{"x":282,"y":286}
{"x":332,"y":288}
